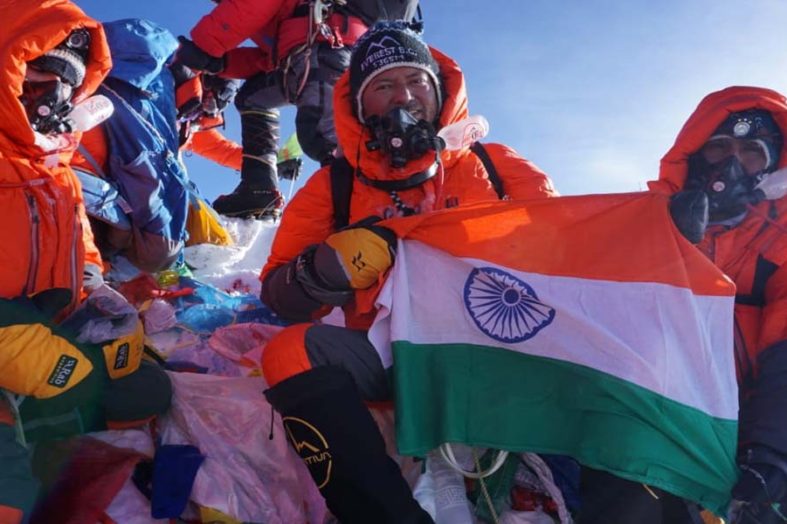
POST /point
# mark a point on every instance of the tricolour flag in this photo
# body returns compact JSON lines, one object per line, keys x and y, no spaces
{"x":584,"y":326}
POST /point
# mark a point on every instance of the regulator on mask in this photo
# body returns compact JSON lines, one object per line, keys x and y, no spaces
{"x":403,"y":138}
{"x":47,"y":104}
{"x":729,"y":187}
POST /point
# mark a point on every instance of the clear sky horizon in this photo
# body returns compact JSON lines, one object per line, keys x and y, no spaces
{"x":593,"y":92}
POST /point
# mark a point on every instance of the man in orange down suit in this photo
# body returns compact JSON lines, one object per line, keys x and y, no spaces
{"x":54,"y":56}
{"x":320,"y":375}
{"x":729,"y":200}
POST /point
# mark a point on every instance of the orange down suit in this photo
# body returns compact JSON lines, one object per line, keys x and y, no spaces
{"x":46,"y":237}
{"x":308,"y":219}
{"x":754,"y":255}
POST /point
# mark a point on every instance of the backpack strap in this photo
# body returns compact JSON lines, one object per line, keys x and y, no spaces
{"x":341,"y":191}
{"x":342,"y":176}
{"x":481,"y":152}
{"x":92,"y":161}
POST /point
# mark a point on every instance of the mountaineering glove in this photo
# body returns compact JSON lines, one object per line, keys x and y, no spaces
{"x":92,"y":277}
{"x":190,"y":55}
{"x":762,"y":487}
{"x":327,"y":274}
{"x":39,"y":360}
{"x":188,"y":91}
{"x":355,"y":257}
{"x":689,"y":211}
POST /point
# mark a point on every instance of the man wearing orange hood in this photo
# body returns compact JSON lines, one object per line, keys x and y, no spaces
{"x":728,"y":198}
{"x":388,"y":106}
{"x":54,"y":56}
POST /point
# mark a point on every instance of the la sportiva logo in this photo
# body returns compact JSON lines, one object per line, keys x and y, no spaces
{"x":63,"y":371}
{"x":312,"y":447}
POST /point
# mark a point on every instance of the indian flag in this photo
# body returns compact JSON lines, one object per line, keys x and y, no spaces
{"x":585,"y":326}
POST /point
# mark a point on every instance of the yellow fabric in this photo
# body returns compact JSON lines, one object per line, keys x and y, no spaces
{"x":38,"y":363}
{"x":215,"y":516}
{"x":124,"y":355}
{"x":204,"y":226}
{"x":364,"y":255}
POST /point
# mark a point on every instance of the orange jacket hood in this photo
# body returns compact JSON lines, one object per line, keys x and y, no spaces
{"x":30,"y":29}
{"x":711,"y":112}
{"x":353,"y":135}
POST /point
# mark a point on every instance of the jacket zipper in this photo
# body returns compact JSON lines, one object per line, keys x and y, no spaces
{"x":32,"y":269}
{"x":75,"y":279}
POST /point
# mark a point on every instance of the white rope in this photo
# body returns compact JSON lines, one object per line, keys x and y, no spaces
{"x":447,"y":453}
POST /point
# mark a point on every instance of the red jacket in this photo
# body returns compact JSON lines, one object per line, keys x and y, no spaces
{"x":271,"y":24}
{"x":754,"y":255}
{"x":308,"y":219}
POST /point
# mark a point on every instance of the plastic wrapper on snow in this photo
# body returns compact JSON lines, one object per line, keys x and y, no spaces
{"x":243,"y":343}
{"x":159,"y":316}
{"x":208,"y":308}
{"x":245,"y":474}
{"x":236,"y":267}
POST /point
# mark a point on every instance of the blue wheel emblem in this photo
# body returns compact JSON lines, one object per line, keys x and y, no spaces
{"x":503,"y":306}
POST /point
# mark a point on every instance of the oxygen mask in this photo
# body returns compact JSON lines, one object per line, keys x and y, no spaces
{"x":47,"y":103}
{"x":402,"y":137}
{"x":729,"y":188}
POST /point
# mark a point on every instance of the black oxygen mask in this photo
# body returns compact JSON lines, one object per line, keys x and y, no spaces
{"x":402,"y":137}
{"x":47,"y":103}
{"x":729,"y":188}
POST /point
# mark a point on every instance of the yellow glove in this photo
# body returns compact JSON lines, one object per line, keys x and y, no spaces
{"x":364,"y":253}
{"x":124,"y":355}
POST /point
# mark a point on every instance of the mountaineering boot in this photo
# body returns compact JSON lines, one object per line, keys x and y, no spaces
{"x":257,"y":195}
{"x":333,"y":432}
{"x":249,"y":200}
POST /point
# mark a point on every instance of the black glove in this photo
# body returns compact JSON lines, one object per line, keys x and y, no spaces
{"x":289,"y":169}
{"x":761,"y":491}
{"x":190,"y":55}
{"x":689,"y":210}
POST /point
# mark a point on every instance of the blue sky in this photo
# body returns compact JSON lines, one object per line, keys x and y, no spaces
{"x":593,"y":91}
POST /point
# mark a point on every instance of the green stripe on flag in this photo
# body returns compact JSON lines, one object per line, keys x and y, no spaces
{"x":492,"y":397}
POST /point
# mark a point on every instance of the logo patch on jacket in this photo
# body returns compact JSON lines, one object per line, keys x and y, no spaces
{"x":121,"y":357}
{"x":63,"y":371}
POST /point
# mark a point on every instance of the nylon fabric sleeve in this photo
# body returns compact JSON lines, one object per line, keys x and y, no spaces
{"x":231,"y":22}
{"x":212,"y":145}
{"x":288,"y":297}
{"x":92,"y":256}
{"x":245,"y":62}
{"x":773,"y":326}
{"x":307,"y":220}
{"x":764,"y":410}
{"x":521,"y":178}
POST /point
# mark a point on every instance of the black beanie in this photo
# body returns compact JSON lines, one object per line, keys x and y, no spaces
{"x":754,"y":124}
{"x":68,"y":59}
{"x":386,"y":45}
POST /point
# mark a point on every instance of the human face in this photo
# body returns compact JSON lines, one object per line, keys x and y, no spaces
{"x":409,"y":88}
{"x":752,"y":153}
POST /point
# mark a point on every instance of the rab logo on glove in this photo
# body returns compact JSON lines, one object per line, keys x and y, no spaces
{"x":121,"y":359}
{"x":63,"y":371}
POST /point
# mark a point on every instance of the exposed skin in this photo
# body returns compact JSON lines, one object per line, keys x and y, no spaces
{"x":407,"y":87}
{"x":750,"y":152}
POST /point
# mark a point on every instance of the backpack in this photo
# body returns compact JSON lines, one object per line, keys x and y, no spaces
{"x":371,"y":11}
{"x":143,"y":167}
{"x":342,"y":178}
